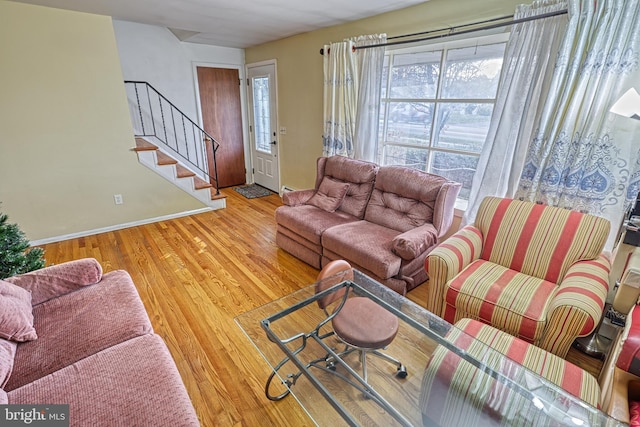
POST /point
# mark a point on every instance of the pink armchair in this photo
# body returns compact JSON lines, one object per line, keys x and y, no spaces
{"x":531,"y":270}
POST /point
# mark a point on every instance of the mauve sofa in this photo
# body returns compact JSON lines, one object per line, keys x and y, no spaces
{"x":90,"y":345}
{"x":382,"y":220}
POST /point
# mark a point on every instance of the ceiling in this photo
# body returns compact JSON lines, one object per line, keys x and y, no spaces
{"x":233,"y":23}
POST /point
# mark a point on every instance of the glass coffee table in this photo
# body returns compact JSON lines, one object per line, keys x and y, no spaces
{"x":296,"y":339}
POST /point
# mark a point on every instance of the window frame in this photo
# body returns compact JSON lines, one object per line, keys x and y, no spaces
{"x":386,"y":101}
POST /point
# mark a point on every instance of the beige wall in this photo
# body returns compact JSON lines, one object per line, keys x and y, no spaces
{"x":65,"y":133}
{"x":300,"y":72}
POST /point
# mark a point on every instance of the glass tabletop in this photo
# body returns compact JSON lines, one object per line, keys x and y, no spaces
{"x":295,"y":336}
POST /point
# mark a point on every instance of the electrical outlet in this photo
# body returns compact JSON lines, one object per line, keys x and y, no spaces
{"x":118,"y":199}
{"x":283,"y":130}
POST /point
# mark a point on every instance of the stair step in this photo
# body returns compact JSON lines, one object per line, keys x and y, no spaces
{"x":164,"y":159}
{"x":144,"y":145}
{"x":182,"y":172}
{"x":215,"y":196}
{"x":200,"y":184}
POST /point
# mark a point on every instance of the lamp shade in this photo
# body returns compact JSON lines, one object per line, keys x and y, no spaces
{"x":628,"y":105}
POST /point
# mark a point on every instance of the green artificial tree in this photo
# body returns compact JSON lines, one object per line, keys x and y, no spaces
{"x":16,"y":254}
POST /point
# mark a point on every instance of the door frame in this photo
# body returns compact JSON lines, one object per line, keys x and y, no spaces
{"x":243,"y":107}
{"x":273,"y":62}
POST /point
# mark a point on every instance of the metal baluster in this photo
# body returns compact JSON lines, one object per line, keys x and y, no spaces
{"x":135,"y":86}
{"x":153,"y":123}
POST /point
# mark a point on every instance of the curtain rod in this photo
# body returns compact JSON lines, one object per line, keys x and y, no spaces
{"x":452,"y":30}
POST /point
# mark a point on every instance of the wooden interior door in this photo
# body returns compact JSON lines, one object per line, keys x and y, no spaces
{"x":219,"y":90}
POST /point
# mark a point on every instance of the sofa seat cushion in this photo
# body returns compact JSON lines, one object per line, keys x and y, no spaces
{"x":509,"y":300}
{"x":78,"y":324}
{"x":366,"y":244}
{"x":309,"y":221}
{"x":454,"y":392}
{"x":140,"y":369}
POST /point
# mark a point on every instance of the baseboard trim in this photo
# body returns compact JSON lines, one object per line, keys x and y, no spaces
{"x":116,"y":227}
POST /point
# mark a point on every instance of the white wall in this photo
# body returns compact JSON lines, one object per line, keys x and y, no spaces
{"x":153,"y":54}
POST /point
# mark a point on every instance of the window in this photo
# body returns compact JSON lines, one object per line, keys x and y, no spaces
{"x":436,"y":106}
{"x":261,"y":111}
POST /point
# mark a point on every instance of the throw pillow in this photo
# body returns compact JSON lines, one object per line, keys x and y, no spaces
{"x":330,"y":194}
{"x":16,"y":316}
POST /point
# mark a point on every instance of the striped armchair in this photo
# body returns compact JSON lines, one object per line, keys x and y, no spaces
{"x":534,"y":271}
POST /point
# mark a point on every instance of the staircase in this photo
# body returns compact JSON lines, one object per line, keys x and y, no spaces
{"x":172,"y":145}
{"x":169,"y":168}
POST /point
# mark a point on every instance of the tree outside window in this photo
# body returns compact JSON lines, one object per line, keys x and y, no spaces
{"x":437,"y":103}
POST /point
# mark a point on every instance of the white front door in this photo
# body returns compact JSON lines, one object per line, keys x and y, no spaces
{"x":263,"y":125}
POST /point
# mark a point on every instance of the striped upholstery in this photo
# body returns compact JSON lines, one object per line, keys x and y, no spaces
{"x":538,"y":240}
{"x":531,"y":270}
{"x":499,"y":296}
{"x":456,"y":393}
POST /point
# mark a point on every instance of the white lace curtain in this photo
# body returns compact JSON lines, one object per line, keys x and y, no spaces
{"x":527,"y":68}
{"x":352,"y":82}
{"x":581,"y":156}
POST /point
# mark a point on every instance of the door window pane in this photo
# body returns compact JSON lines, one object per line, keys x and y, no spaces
{"x":261,"y":114}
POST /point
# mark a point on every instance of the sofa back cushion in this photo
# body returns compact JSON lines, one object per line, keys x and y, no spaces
{"x":360,"y":176}
{"x":538,"y":240}
{"x":404,"y":198}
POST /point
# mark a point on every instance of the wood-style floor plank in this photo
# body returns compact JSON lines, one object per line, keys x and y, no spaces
{"x":195,"y":275}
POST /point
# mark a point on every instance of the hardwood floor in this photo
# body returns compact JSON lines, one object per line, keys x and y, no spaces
{"x":195,"y":274}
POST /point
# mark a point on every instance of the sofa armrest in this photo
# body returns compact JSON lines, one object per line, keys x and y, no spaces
{"x":444,"y":208}
{"x":298,"y":197}
{"x":59,"y":279}
{"x":577,"y":306}
{"x":412,"y":243}
{"x":447,"y":260}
